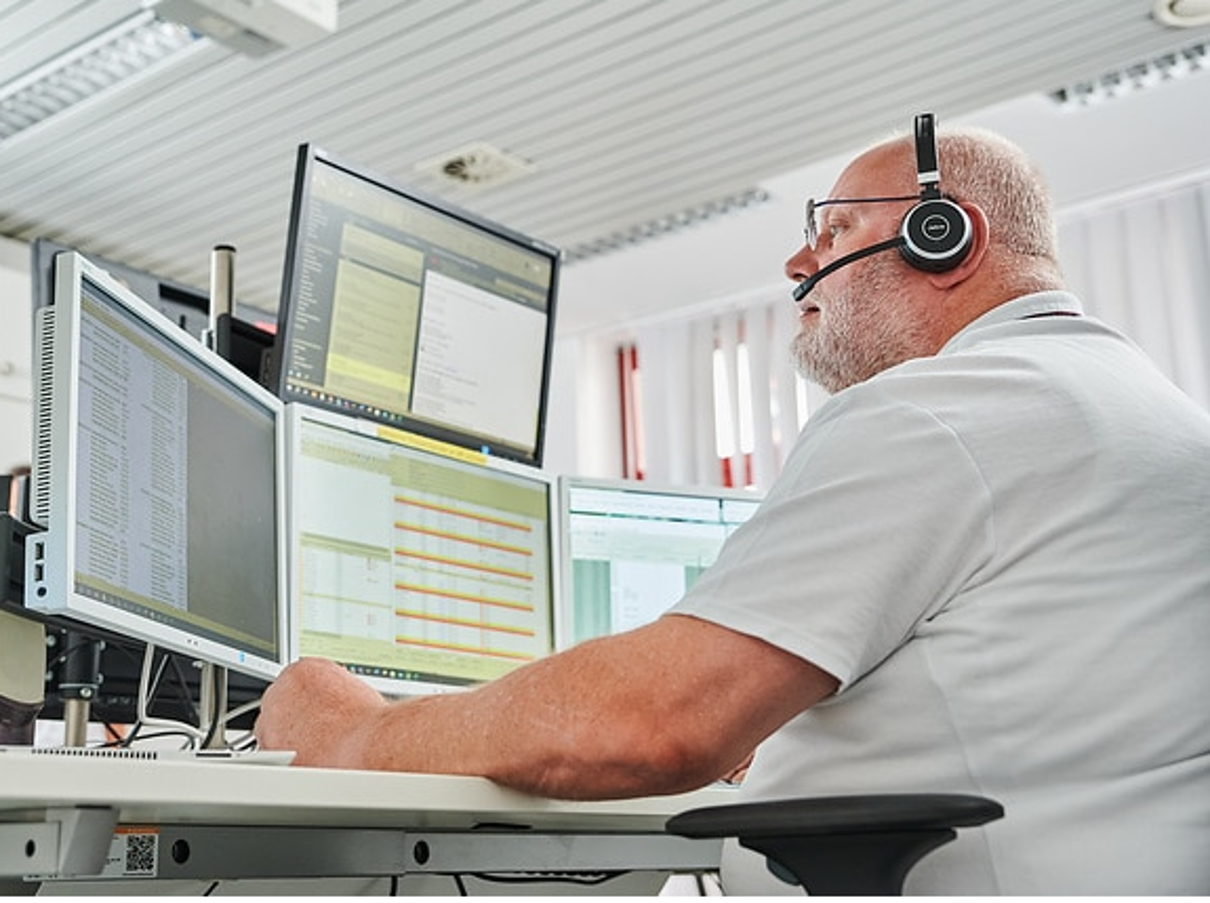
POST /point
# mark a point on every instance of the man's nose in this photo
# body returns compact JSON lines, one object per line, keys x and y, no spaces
{"x":802,"y":264}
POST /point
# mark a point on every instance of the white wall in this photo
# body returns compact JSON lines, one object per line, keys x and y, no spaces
{"x":15,"y":349}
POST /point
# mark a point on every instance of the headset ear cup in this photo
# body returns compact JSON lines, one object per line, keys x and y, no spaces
{"x":936,"y":235}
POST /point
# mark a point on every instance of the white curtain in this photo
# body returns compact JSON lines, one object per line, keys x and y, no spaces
{"x":677,"y":363}
{"x":677,"y":409}
{"x":1141,"y":265}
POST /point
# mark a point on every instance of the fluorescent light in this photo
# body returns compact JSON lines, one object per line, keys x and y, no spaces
{"x":130,"y":48}
{"x":1133,"y":78}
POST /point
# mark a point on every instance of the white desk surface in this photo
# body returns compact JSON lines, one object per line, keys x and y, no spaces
{"x":166,"y":792}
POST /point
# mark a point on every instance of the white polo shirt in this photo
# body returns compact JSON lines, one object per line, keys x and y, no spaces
{"x":1003,"y":553}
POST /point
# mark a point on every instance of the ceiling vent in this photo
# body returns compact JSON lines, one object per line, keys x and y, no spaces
{"x":476,"y":165}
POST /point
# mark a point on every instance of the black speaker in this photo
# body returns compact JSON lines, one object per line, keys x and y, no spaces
{"x":936,"y":232}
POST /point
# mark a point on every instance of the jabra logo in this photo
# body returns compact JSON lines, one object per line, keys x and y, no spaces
{"x":936,"y":227}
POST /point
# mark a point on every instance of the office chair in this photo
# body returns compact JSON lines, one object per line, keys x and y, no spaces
{"x":843,"y":845}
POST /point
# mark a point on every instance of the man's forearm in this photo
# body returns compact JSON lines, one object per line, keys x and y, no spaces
{"x":662,"y":709}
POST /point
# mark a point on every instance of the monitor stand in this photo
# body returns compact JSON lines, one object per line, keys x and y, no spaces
{"x":214,"y":706}
{"x":79,"y":684}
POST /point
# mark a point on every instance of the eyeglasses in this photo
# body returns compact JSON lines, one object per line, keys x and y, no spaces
{"x":811,"y":229}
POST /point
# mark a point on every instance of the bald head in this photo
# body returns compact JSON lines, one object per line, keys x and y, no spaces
{"x":985,"y":169}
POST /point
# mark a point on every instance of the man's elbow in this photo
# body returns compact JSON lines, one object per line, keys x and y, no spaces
{"x":630,"y":760}
{"x":678,"y":764}
{"x":667,"y":758}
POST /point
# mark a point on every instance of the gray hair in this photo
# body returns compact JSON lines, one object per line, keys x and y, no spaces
{"x":986,"y":169}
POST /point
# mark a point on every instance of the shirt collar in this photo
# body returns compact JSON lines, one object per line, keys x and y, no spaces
{"x":1038,"y":304}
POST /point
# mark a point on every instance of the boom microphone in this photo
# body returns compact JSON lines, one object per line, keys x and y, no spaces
{"x":801,"y":290}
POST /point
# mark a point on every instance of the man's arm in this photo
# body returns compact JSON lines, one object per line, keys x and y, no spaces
{"x":662,"y":709}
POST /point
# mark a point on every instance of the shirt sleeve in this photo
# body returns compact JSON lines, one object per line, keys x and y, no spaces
{"x":878,"y":519}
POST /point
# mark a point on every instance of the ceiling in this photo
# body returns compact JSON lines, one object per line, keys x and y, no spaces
{"x":627,"y":111}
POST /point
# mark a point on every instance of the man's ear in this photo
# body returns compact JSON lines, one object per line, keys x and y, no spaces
{"x":974,"y":257}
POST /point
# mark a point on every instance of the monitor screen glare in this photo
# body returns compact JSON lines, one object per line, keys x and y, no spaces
{"x":630,"y":550}
{"x":417,"y":570}
{"x":413,"y":313}
{"x":157,"y":475}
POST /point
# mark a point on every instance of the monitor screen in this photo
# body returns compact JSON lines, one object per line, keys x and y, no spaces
{"x":413,"y":313}
{"x":419,"y":566}
{"x":157,"y":475}
{"x":631,"y":550}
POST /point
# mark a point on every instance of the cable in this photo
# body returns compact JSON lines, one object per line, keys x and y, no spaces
{"x":182,"y":689}
{"x":144,"y":697}
{"x":127,"y":742}
{"x":544,"y":878}
{"x":240,"y":711}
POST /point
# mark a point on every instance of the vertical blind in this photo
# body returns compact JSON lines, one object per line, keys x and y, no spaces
{"x":1143,"y":266}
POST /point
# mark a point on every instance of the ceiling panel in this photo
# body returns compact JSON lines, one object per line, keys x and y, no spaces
{"x":629,"y":111}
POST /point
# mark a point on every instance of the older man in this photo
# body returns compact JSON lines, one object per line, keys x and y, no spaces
{"x":985,"y":568}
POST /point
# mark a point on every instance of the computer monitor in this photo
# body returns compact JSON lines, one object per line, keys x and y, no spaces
{"x":419,"y":566}
{"x":630,"y":550}
{"x":409,"y":311}
{"x":158,"y":476}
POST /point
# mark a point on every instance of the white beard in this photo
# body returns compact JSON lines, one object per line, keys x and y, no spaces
{"x":860,"y":331}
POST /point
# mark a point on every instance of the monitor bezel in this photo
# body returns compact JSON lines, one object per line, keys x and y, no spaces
{"x":296,"y":413}
{"x":568,"y":482}
{"x":51,"y":554}
{"x":309,"y":156}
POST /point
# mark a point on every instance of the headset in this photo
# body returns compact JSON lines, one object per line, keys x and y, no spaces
{"x":936,"y":232}
{"x":935,"y":235}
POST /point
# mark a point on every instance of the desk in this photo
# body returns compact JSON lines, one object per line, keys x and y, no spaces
{"x":63,"y":817}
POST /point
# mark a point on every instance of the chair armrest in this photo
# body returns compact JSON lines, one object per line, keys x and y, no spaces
{"x":843,"y":844}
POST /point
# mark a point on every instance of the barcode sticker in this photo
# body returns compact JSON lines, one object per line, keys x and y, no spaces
{"x":134,"y":853}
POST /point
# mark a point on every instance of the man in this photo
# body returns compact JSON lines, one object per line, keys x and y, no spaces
{"x":983,"y":569}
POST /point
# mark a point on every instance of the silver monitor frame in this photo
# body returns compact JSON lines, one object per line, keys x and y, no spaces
{"x":51,"y":557}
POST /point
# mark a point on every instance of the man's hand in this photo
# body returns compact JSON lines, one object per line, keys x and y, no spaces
{"x":319,"y":710}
